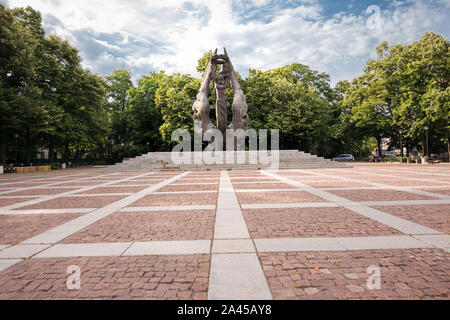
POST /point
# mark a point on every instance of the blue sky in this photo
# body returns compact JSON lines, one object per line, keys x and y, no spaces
{"x":336,"y":37}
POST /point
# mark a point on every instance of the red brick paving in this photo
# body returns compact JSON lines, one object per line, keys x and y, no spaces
{"x":312,"y":222}
{"x":149,"y":226}
{"x":436,"y":216}
{"x":277,"y":197}
{"x":17,"y":228}
{"x":379,"y":195}
{"x":149,"y":277}
{"x":176,"y":199}
{"x":75,"y":202}
{"x":405,"y":274}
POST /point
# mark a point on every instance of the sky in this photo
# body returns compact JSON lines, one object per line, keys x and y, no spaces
{"x":332,"y":36}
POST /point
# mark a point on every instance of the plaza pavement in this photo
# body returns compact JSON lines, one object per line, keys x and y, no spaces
{"x":291,"y":234}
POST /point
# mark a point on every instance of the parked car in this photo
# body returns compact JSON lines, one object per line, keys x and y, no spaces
{"x":344,"y":158}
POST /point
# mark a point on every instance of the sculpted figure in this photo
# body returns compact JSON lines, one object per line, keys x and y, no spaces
{"x":226,"y":77}
{"x":201,"y":104}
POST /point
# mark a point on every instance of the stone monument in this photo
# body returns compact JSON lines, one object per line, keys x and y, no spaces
{"x":226,"y":77}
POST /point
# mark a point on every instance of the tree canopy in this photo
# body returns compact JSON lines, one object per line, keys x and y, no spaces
{"x":49,"y":101}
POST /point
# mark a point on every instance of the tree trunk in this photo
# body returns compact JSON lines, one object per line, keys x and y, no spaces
{"x":379,"y":146}
{"x":66,"y":152}
{"x":448,"y":141}
{"x":2,"y":146}
{"x":28,"y":145}
{"x":50,"y":151}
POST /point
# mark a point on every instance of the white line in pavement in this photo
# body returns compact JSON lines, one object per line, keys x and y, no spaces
{"x":237,"y":276}
{"x":46,"y":211}
{"x":289,"y":205}
{"x":393,"y":178}
{"x":169,"y":248}
{"x":43,"y":178}
{"x":5,"y":264}
{"x":338,"y":244}
{"x":65,"y":230}
{"x":169,"y":208}
{"x":385,"y":186}
{"x":128,"y":209}
{"x":60,"y":195}
{"x":112,"y":249}
{"x":230,"y":223}
{"x":45,"y":185}
{"x":397,"y":223}
{"x":231,"y":247}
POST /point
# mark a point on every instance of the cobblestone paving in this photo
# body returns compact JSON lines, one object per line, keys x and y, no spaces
{"x":159,"y":236}
{"x":312,"y":222}
{"x":150,"y":277}
{"x":149,"y":226}
{"x":405,"y":274}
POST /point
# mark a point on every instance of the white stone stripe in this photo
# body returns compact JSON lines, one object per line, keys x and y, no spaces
{"x":385,"y":186}
{"x":43,"y":178}
{"x":168,"y":208}
{"x":65,"y":230}
{"x":85,"y":250}
{"x":404,"y":203}
{"x":338,"y":244}
{"x":52,"y":184}
{"x":236,"y":276}
{"x":289,"y":205}
{"x":32,"y":202}
{"x":169,"y":248}
{"x":70,"y":196}
{"x":439,"y":240}
{"x":186,"y":192}
{"x":402,"y":225}
{"x":382,"y":188}
{"x":266,"y":190}
{"x":47,"y":211}
{"x":5,"y":264}
{"x":397,"y":177}
{"x":230,"y":223}
{"x":22,"y":251}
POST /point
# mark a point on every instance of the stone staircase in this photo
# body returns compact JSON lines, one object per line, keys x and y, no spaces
{"x":161,"y":161}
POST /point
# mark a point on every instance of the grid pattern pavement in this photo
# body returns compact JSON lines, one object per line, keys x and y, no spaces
{"x":288,"y":234}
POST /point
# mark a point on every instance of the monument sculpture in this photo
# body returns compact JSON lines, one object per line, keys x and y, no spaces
{"x":226,"y":77}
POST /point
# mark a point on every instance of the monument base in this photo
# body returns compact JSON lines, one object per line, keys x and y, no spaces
{"x":287,"y":159}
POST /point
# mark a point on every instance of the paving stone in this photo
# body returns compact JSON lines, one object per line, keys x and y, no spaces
{"x":233,"y":246}
{"x":237,"y":276}
{"x":84,"y":250}
{"x":169,"y":248}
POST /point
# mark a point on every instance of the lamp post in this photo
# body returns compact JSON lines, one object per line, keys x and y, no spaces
{"x":427,"y":128}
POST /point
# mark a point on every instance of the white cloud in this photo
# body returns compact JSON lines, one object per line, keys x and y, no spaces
{"x":171,"y":35}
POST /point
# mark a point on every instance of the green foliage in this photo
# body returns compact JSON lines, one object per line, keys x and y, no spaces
{"x":47,"y":100}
